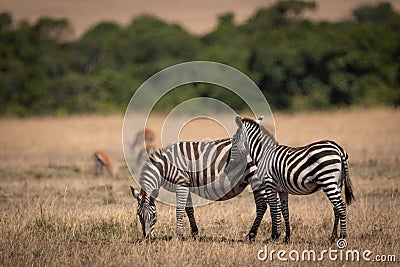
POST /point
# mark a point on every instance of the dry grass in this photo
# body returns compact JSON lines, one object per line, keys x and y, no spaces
{"x":367,"y":135}
{"x":53,"y":211}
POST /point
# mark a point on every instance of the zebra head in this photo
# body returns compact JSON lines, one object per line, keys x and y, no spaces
{"x":249,"y":126}
{"x":240,"y":139}
{"x":146,"y":211}
{"x":256,"y":136}
{"x":239,"y":149}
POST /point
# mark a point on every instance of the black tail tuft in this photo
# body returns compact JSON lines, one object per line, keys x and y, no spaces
{"x":348,"y":187}
{"x":348,"y":192}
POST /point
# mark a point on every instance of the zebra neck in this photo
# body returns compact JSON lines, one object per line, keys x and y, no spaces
{"x":261,"y":147}
{"x":150,"y":179}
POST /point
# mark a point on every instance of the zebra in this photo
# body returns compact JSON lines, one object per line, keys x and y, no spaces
{"x":296,"y":170}
{"x":218,"y":170}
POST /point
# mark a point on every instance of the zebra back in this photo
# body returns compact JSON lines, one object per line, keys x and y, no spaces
{"x":201,"y":166}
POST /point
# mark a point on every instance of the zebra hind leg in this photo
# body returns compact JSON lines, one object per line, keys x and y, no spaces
{"x":284,"y":198}
{"x":190,"y":213}
{"x":339,"y":209}
{"x":335,"y":226}
{"x":340,"y":215}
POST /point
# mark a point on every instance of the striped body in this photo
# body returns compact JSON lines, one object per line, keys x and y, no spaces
{"x":297,"y":170}
{"x":192,"y":167}
{"x":199,"y":166}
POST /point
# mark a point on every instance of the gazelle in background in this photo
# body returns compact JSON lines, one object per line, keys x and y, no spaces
{"x":102,"y":160}
{"x":140,"y":151}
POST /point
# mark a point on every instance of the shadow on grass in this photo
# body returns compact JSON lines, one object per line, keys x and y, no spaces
{"x":205,"y":239}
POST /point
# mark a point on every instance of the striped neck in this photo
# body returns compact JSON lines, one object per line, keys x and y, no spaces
{"x":259,"y":140}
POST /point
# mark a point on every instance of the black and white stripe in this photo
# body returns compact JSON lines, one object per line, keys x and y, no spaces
{"x":216,"y":170}
{"x":296,"y":170}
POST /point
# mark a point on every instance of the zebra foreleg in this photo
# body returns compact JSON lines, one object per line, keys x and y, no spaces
{"x":275,"y":214}
{"x":190,"y":213}
{"x":182,"y":194}
{"x":261,"y":207}
{"x":284,"y":198}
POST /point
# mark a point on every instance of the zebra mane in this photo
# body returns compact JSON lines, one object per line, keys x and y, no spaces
{"x":262,"y":129}
{"x":157,"y":154}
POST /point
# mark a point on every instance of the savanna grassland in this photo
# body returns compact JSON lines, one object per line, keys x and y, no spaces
{"x":54,"y":211}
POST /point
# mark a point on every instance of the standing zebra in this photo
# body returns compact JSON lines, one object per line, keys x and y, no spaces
{"x":213,"y":170}
{"x":299,"y":171}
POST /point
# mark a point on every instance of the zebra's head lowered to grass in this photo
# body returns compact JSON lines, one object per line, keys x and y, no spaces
{"x":146,"y":211}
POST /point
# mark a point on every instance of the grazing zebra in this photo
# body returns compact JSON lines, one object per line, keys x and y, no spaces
{"x":299,"y":171}
{"x":102,"y":160}
{"x":213,"y":170}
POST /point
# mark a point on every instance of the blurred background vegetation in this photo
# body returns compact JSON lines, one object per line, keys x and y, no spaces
{"x":298,"y":63}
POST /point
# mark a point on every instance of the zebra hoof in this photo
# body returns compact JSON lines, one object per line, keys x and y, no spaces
{"x":273,"y":238}
{"x":286,"y":240}
{"x":194,"y":234}
{"x":251,"y":237}
{"x":269,"y":240}
{"x":178,"y":238}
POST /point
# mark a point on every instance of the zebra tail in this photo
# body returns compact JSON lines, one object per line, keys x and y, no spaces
{"x":348,"y":186}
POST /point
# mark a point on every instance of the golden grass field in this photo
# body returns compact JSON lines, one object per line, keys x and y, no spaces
{"x":54,"y":211}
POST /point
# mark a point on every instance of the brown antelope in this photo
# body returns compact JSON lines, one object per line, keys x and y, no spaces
{"x":101,"y":159}
{"x":146,"y":136}
{"x":142,"y":145}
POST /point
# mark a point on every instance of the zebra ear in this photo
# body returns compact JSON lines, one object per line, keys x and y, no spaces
{"x":259,"y":119}
{"x":135,"y":193}
{"x":238,"y":121}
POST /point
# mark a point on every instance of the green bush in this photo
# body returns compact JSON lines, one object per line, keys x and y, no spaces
{"x":297,"y":63}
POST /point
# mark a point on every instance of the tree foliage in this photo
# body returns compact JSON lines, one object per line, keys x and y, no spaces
{"x":296,"y":62}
